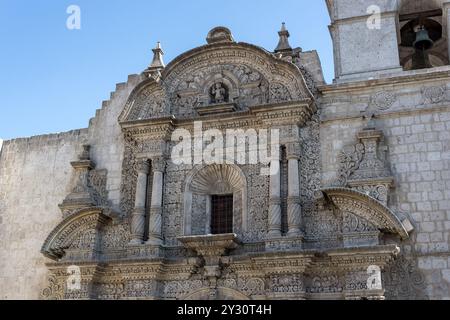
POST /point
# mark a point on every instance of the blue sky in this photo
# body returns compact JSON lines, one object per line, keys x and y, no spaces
{"x":53,"y":79}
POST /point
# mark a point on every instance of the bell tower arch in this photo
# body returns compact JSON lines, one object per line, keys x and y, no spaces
{"x":372,"y":38}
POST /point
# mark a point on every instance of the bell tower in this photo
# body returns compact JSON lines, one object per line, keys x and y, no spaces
{"x":376,"y":38}
{"x":423,"y":34}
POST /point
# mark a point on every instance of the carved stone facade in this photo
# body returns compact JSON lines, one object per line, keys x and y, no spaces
{"x":330,"y":223}
{"x":292,"y":236}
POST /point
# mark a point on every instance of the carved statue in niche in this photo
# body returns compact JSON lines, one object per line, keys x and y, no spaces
{"x":219,"y":93}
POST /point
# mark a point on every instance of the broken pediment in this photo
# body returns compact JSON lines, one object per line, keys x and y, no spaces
{"x":79,"y":231}
{"x":371,"y":211}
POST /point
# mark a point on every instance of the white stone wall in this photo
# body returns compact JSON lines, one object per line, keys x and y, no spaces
{"x":417,"y":136}
{"x":35,"y":176}
{"x":360,"y":51}
{"x":106,"y":138}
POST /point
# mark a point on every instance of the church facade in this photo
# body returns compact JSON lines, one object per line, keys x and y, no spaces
{"x":238,"y":173}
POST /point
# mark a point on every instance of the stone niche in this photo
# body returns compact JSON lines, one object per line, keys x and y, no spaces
{"x":205,"y":181}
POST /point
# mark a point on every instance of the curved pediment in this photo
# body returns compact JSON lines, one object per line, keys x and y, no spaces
{"x":367,"y":208}
{"x":148,"y":100}
{"x":78,"y":230}
{"x":238,"y":75}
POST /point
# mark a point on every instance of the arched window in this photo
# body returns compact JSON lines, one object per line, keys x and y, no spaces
{"x":215,"y":200}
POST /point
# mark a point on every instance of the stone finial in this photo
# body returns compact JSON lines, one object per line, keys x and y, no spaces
{"x":158,"y":54}
{"x":219,"y":34}
{"x":81,"y":196}
{"x":283,"y":44}
{"x":157,"y":64}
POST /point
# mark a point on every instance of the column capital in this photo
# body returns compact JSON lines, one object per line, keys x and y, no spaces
{"x":143,"y":166}
{"x":159,"y":164}
{"x":293,"y":150}
{"x":275,"y":201}
{"x":294,"y":199}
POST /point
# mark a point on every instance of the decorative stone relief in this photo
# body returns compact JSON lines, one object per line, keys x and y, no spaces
{"x":404,"y":281}
{"x":258,"y":204}
{"x":116,"y":236}
{"x":379,"y":192}
{"x":199,"y":215}
{"x":309,"y":164}
{"x":362,"y":168}
{"x":219,"y":84}
{"x":97,"y":187}
{"x":129,"y":177}
{"x":55,"y":289}
{"x":110,"y":291}
{"x":382,"y":101}
{"x":349,"y":160}
{"x":278,"y":93}
{"x":140,"y":288}
{"x":179,"y":289}
{"x":434,"y":95}
{"x":150,"y":103}
{"x":353,"y":224}
{"x":358,"y":231}
{"x":327,"y":283}
{"x":287,"y":283}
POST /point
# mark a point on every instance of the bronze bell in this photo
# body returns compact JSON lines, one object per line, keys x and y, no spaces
{"x":421,"y":58}
{"x":423,"y":40}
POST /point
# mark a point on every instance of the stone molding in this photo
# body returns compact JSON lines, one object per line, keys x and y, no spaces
{"x":333,"y":274}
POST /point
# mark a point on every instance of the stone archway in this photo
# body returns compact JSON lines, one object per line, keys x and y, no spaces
{"x":204,"y":181}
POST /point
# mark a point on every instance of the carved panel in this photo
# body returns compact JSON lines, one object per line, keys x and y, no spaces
{"x":293,"y":283}
{"x":97,"y":187}
{"x":151,"y":102}
{"x":434,"y":95}
{"x":349,"y":160}
{"x":54,"y":290}
{"x":404,"y":280}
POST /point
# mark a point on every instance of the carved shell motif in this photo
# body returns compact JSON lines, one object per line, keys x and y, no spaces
{"x":217,"y":179}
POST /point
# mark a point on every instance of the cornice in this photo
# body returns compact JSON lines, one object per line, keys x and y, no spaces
{"x":406,"y":77}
